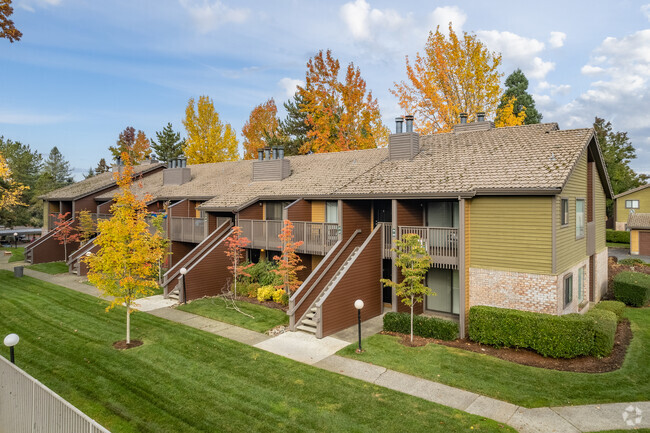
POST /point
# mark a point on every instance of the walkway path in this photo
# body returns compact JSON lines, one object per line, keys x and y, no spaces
{"x":566,"y":419}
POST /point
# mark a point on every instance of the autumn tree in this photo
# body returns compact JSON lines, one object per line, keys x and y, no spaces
{"x":10,"y":191}
{"x":87,"y":226}
{"x":413,"y":262}
{"x":293,"y":129}
{"x":260,"y":128}
{"x":454,"y":75}
{"x":235,"y":244}
{"x":288,"y":261}
{"x":515,"y":101}
{"x":169,"y":145}
{"x":208,"y":140}
{"x":102,"y":167}
{"x":64,"y":231}
{"x":125,"y":265}
{"x":7,"y":28}
{"x":136,"y":146}
{"x":25,"y":165}
{"x":341,"y":115}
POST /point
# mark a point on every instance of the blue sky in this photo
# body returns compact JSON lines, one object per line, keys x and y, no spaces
{"x":84,"y":70}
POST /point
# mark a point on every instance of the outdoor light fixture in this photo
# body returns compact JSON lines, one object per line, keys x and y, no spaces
{"x":16,"y":240}
{"x":358,"y":304}
{"x":10,"y":341}
{"x":183,"y":272}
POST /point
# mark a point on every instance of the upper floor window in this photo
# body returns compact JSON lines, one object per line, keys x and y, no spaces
{"x":274,"y":210}
{"x":565,"y":211}
{"x":331,"y":212}
{"x":631,"y":204}
{"x":580,"y":218}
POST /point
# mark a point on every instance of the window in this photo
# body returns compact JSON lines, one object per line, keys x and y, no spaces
{"x":581,"y":284}
{"x":274,"y":210}
{"x":331,"y":212}
{"x":445,"y":284}
{"x":568,"y":289}
{"x":631,"y":204}
{"x":580,"y":218}
{"x":565,"y":211}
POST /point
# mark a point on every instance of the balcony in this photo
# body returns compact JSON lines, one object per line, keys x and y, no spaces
{"x":317,"y":238}
{"x":441,"y":243}
{"x":186,"y":229}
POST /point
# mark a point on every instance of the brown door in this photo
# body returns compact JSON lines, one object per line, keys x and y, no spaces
{"x":644,"y":243}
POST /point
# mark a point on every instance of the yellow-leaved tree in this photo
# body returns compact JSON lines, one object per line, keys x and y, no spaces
{"x":125,"y":266}
{"x":340,"y":115}
{"x":261,"y":126}
{"x":10,"y":191}
{"x":208,"y":140}
{"x":507,"y":117}
{"x":454,"y":75}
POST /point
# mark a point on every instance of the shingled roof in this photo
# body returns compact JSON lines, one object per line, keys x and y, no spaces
{"x":630,"y":191}
{"x":639,"y":221}
{"x":93,"y":184}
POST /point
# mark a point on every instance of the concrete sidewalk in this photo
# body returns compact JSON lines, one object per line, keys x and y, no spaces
{"x":321,"y":353}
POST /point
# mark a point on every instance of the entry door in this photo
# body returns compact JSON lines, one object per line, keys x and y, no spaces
{"x":444,"y":283}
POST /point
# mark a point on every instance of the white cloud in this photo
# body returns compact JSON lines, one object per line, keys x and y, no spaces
{"x":554,"y":89}
{"x":209,"y":15}
{"x":556,"y":40}
{"x":645,"y":9}
{"x":289,"y":85}
{"x":365,"y":23}
{"x":591,"y":70}
{"x":16,"y":117}
{"x":31,"y":5}
{"x":442,"y":16}
{"x":518,"y":52}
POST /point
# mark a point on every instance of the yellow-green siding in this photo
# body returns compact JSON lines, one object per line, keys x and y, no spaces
{"x":644,"y":204}
{"x":600,"y":215}
{"x":511,"y":233}
{"x":570,"y":250}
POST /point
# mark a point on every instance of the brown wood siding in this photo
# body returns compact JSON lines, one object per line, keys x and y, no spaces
{"x":181,"y":209}
{"x":156,"y":206}
{"x":300,"y":211}
{"x":212,"y":219}
{"x":105,"y":207}
{"x":409,"y":213}
{"x":209,"y":276}
{"x":644,"y":243}
{"x":86,"y":203}
{"x":252,"y":212}
{"x":306,"y":262}
{"x":66,"y":206}
{"x":356,"y":215}
{"x":50,"y":250}
{"x":361,"y":281}
{"x":179,"y":250}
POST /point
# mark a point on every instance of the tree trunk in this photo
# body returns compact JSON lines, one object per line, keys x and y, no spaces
{"x":65,"y":251}
{"x":128,"y":323}
{"x":412,"y":318}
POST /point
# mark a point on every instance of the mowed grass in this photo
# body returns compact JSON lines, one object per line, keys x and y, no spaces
{"x":519,"y":384}
{"x":186,"y":380}
{"x":50,"y":268}
{"x":618,"y":245}
{"x":17,"y":254}
{"x":264,"y":318}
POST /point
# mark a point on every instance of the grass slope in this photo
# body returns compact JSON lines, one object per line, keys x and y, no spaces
{"x":50,"y":268}
{"x":186,"y":380}
{"x":263,"y":319}
{"x":519,"y":384}
{"x":17,"y":254}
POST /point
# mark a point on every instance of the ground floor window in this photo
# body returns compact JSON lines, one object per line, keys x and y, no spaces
{"x":444,"y":283}
{"x":581,"y":284}
{"x":568,"y":289}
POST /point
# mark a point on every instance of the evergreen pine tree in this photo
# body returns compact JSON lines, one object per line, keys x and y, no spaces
{"x":293,"y":129}
{"x":90,"y":173}
{"x":102,"y":167}
{"x":169,"y":145}
{"x":517,"y":86}
{"x":57,"y":169}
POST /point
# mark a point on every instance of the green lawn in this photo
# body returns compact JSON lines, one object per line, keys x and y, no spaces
{"x":617,"y":245}
{"x":519,"y":384}
{"x":215,"y":308}
{"x":186,"y":380}
{"x":17,"y":254}
{"x":49,"y":268}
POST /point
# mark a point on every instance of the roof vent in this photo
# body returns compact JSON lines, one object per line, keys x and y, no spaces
{"x":480,"y":125}
{"x":177,"y":172}
{"x":271,"y":165}
{"x":480,"y":116}
{"x":403,"y":145}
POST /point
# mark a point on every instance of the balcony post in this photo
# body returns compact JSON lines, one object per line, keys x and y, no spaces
{"x":393,"y":256}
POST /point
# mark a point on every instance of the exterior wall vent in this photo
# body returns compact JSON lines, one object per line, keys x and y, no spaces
{"x":271,"y":165}
{"x":403,"y":145}
{"x":177,"y":172}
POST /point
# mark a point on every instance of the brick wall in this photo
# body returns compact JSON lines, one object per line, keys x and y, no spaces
{"x":573,"y":307}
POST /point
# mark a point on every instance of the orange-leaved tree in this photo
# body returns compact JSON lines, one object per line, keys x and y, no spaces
{"x":7,"y":28}
{"x":340,"y":115}
{"x":261,"y":126}
{"x":288,"y":261}
{"x":64,"y":231}
{"x":235,"y":244}
{"x":506,"y":115}
{"x":125,"y":265}
{"x":136,"y":145}
{"x":455,"y":75}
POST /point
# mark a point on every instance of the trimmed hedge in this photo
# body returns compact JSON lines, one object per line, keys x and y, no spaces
{"x":423,"y":326}
{"x":618,"y":236}
{"x":604,"y":326}
{"x":632,"y":288}
{"x":616,"y":307}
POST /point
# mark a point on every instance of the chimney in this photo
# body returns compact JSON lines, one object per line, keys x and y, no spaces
{"x":260,"y":154}
{"x":117,"y":167}
{"x":480,"y":116}
{"x":463,"y":118}
{"x":267,"y":153}
{"x":267,"y":168}
{"x":177,"y":172}
{"x":480,"y":125}
{"x":403,"y":145}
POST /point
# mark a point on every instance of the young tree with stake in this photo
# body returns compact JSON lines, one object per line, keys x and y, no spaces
{"x":64,"y":232}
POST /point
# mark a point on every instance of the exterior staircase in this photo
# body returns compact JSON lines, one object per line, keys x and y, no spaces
{"x":46,"y":248}
{"x":75,"y":265}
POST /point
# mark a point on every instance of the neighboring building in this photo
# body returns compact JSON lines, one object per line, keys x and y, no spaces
{"x":636,"y":200}
{"x":639,"y":227}
{"x":513,"y":217}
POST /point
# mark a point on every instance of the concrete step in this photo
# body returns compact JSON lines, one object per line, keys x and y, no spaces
{"x":308,"y":329}
{"x":310,"y":315}
{"x":309,"y":322}
{"x":313,"y":310}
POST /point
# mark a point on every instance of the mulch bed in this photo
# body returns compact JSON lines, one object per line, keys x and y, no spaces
{"x":121,"y":345}
{"x":583,"y":364}
{"x":269,"y":304}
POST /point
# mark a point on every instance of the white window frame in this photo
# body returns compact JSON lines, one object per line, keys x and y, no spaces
{"x":580,"y":218}
{"x":631,"y":204}
{"x":581,"y":284}
{"x":568,"y":289}
{"x":564,"y":214}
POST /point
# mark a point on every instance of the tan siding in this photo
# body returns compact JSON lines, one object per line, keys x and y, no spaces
{"x":600,"y":213}
{"x":634,"y":242}
{"x":569,"y":249}
{"x":644,"y":204}
{"x":318,"y":211}
{"x":512,"y":233}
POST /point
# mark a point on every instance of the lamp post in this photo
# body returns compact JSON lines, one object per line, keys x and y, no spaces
{"x":358,"y":304}
{"x":10,"y":341}
{"x":183,"y":272}
{"x":15,"y":239}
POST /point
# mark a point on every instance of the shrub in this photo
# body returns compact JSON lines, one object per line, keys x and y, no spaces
{"x":632,"y":288}
{"x":616,"y":307}
{"x":631,"y":262}
{"x":604,"y":326}
{"x":278,"y":295}
{"x":555,"y":336}
{"x":265,"y":293}
{"x":618,"y":236}
{"x":261,"y":273}
{"x":251,"y":290}
{"x":423,"y":326}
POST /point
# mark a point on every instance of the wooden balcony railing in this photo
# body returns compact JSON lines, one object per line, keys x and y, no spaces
{"x":185,"y":229}
{"x":317,"y":238}
{"x":440,"y":242}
